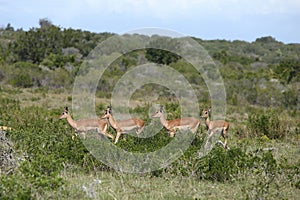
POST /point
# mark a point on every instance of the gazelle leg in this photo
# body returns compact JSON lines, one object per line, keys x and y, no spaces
{"x":117,"y":137}
{"x":194,"y":130}
{"x":83,"y":135}
{"x":209,"y":137}
{"x":140,"y":130}
{"x":108,"y":134}
{"x":75,"y":135}
{"x":104,"y":132}
{"x":220,"y":142}
{"x":225,"y":139}
{"x":172,"y":134}
{"x":224,"y":135}
{"x":225,"y":144}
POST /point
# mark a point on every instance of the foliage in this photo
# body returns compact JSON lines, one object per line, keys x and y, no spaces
{"x":158,"y":52}
{"x":45,"y":148}
{"x":244,"y":66}
{"x":265,"y":124}
{"x":24,"y":75}
{"x":288,"y":70}
{"x":53,"y":61}
{"x":224,"y":166}
{"x":161,"y":56}
{"x":221,"y":56}
{"x":37,"y":43}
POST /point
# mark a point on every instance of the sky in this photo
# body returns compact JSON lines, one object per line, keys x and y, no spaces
{"x":244,"y":20}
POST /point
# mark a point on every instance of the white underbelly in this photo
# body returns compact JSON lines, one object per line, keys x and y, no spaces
{"x":83,"y":129}
{"x":186,"y":127}
{"x":128,"y":128}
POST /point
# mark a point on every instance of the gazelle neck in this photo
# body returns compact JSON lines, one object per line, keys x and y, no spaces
{"x":163,"y":120}
{"x":207,"y":122}
{"x":71,"y":122}
{"x":112,"y":121}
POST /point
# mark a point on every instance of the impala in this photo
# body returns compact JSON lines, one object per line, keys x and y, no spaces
{"x":190,"y":123}
{"x":84,"y":125}
{"x":217,"y":124}
{"x":123,"y":126}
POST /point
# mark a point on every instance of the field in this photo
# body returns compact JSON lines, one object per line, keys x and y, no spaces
{"x":47,"y":164}
{"x":41,"y":70}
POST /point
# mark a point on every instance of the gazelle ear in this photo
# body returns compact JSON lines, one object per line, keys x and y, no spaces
{"x":209,"y":110}
{"x":66,"y":109}
{"x":161,"y":108}
{"x":109,"y":107}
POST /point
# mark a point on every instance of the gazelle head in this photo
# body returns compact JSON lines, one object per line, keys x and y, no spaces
{"x":65,"y":114}
{"x":107,"y":113}
{"x":205,"y":113}
{"x":159,"y":112}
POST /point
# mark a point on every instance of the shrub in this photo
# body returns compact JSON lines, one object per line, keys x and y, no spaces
{"x":22,"y":80}
{"x":221,"y":166}
{"x":46,"y":147}
{"x":265,"y":123}
{"x":22,"y":74}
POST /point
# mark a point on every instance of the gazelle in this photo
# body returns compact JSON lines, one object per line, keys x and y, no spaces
{"x":190,"y":123}
{"x":123,"y":126}
{"x":84,"y":125}
{"x":217,"y":124}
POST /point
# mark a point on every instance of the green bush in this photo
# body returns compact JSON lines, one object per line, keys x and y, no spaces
{"x":42,"y":140}
{"x":236,"y":164}
{"x":265,"y":123}
{"x":25,"y":75}
{"x":22,"y":80}
{"x":220,"y":165}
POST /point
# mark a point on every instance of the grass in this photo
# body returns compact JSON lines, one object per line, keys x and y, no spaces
{"x":102,"y":183}
{"x":115,"y":185}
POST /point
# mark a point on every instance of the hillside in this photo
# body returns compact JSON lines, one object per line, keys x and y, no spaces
{"x":264,"y":72}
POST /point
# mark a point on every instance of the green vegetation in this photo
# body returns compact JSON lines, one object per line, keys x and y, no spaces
{"x":39,"y":159}
{"x":49,"y":163}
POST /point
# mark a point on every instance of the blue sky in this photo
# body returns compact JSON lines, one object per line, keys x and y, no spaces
{"x":205,"y":19}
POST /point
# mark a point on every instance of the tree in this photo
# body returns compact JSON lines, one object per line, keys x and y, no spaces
{"x":288,"y":70}
{"x":37,"y":43}
{"x":221,"y":56}
{"x":45,"y":23}
{"x":161,"y":56}
{"x":9,"y":27}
